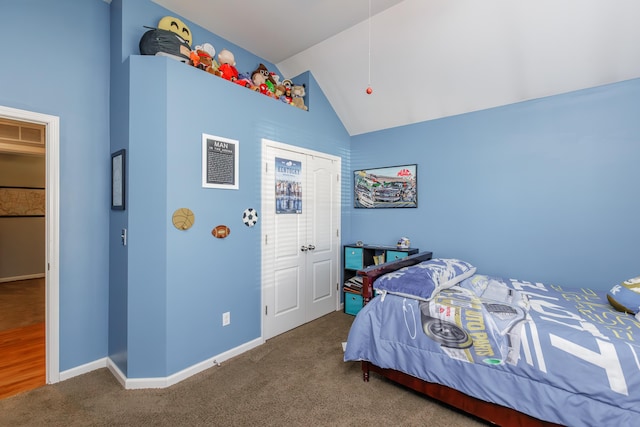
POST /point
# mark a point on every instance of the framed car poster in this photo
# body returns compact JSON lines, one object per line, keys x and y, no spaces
{"x":386,"y":187}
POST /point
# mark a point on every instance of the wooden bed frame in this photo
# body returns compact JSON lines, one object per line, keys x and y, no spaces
{"x":490,"y":412}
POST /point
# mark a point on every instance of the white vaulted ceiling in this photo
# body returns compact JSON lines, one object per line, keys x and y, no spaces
{"x":427,"y":59}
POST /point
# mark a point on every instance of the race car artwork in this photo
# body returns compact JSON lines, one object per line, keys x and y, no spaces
{"x":479,"y":321}
{"x":393,"y":187}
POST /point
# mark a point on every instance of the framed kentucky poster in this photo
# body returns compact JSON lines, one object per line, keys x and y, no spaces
{"x":288,"y":186}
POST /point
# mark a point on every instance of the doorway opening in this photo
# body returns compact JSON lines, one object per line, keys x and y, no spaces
{"x":28,"y":125}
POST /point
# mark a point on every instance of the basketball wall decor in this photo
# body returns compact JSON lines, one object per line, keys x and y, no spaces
{"x":183,"y":219}
{"x":220,"y":231}
{"x":250,"y":217}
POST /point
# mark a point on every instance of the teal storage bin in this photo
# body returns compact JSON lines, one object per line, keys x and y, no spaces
{"x":394,"y":255}
{"x":352,"y":303}
{"x":353,"y":258}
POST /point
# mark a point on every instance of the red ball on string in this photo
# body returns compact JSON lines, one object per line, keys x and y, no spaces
{"x":369,"y":90}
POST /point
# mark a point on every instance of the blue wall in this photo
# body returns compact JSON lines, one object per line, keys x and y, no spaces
{"x":544,"y":190}
{"x":178,"y":283}
{"x":119,"y":219}
{"x":56,"y":61}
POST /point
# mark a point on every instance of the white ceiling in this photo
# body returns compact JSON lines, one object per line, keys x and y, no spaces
{"x":427,"y":59}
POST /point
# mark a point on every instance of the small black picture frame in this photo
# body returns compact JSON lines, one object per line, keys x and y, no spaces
{"x":118,"y":175}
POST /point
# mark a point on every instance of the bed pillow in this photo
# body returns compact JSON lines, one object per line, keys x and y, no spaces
{"x":626,"y":296}
{"x":422,"y":281}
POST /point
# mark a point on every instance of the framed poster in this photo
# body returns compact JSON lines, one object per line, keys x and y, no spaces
{"x":118,"y":180}
{"x":288,"y":186}
{"x":386,"y":187}
{"x":220,"y":158}
{"x":22,"y":201}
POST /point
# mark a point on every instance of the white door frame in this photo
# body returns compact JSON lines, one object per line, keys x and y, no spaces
{"x":296,"y":149}
{"x":52,"y":238}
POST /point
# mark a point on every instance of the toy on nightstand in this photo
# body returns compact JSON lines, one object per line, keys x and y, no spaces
{"x":404,"y":243}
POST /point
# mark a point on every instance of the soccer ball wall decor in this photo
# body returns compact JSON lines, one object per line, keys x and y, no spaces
{"x":250,"y":217}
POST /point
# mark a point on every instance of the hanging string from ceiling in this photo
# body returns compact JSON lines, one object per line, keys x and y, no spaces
{"x":369,"y":89}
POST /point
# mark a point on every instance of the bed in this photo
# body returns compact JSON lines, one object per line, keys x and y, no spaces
{"x":511,"y":352}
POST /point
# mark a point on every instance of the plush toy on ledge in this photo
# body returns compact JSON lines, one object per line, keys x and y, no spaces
{"x":227,"y":66}
{"x":244,"y":79}
{"x":298,"y":92}
{"x":281,"y":91}
{"x":173,"y":24}
{"x":263,"y":79}
{"x":203,"y":58}
{"x":172,"y":39}
{"x":258,"y":81}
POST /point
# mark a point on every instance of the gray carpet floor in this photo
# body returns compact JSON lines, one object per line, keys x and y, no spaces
{"x":295,"y":379}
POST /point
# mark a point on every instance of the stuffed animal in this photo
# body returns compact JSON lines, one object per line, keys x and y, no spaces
{"x":202,"y":58}
{"x":172,"y":38}
{"x":260,"y":82}
{"x":267,"y":77}
{"x":281,"y":94}
{"x":264,"y":81}
{"x":298,"y":92}
{"x":170,"y":23}
{"x":227,"y":65}
{"x":165,"y":43}
{"x":275,"y":78}
{"x":257,"y":78}
{"x":244,"y":79}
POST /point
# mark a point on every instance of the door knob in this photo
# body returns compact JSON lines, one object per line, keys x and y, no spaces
{"x":311,"y":247}
{"x":304,"y":248}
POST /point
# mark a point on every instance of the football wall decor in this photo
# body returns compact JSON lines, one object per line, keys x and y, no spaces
{"x":220,"y":231}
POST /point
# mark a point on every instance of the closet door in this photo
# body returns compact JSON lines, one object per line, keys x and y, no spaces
{"x":322,"y":235}
{"x":300,"y":236}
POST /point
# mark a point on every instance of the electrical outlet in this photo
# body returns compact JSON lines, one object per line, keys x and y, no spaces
{"x":226,"y":318}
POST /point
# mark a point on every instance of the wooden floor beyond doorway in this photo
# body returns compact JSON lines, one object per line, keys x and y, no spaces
{"x":22,"y":336}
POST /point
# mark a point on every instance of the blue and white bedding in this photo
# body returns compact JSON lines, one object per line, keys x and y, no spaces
{"x":560,"y":355}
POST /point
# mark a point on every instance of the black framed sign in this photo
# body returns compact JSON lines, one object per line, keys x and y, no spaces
{"x":118,"y":163}
{"x":220,"y":159}
{"x":386,"y":187}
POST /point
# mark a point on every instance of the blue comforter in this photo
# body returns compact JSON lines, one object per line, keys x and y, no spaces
{"x":560,"y":355}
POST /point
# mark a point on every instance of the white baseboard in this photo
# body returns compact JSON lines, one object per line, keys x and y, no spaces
{"x":23,"y":277}
{"x":83,"y":369}
{"x":160,"y":382}
{"x":163,"y":382}
{"x":116,"y":372}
